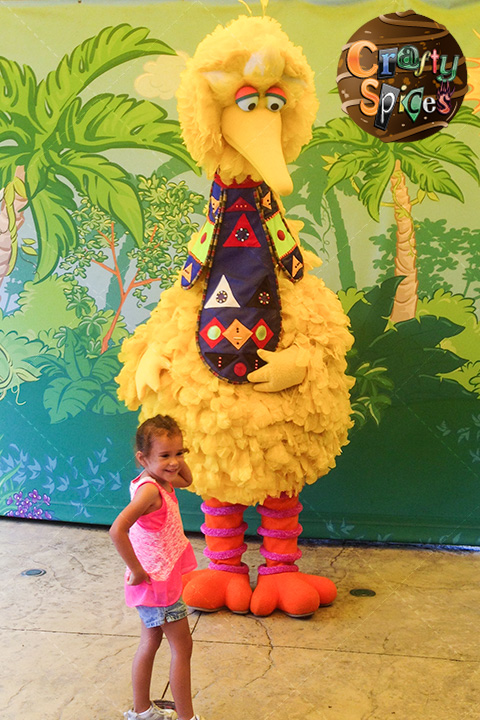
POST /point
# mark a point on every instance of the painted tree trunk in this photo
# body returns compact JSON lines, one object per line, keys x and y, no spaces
{"x":344,"y":256}
{"x":5,"y":242}
{"x":406,"y":297}
{"x":11,"y":219}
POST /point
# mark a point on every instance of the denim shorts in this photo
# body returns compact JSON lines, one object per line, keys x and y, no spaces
{"x":157,"y":616}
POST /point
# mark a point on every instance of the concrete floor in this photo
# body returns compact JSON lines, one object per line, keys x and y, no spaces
{"x":410,"y":652}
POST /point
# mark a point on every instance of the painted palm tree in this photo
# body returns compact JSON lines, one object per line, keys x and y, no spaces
{"x":50,"y":142}
{"x":319,"y":209}
{"x":373,"y":166}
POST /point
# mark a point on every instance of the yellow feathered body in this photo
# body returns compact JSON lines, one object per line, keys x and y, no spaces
{"x":246,"y":445}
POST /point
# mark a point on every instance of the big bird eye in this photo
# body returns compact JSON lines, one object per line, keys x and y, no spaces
{"x":247,"y":98}
{"x":276,"y":99}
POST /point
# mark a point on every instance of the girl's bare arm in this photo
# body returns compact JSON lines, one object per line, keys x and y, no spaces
{"x":185,"y":477}
{"x":141,"y":504}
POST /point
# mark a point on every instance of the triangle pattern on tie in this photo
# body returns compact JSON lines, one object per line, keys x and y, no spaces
{"x":187,"y":272}
{"x":267,"y":200}
{"x":222,"y":296}
{"x":220,"y":361}
{"x":242,"y":235}
{"x":214,"y":205}
{"x":240,"y":205}
{"x":296,"y":266}
{"x":263,"y":296}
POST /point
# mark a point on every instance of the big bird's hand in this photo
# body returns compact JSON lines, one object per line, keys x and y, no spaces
{"x":148,"y":371}
{"x":280,"y":372}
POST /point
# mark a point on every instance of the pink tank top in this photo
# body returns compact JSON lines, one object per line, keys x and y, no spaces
{"x":162,"y":549}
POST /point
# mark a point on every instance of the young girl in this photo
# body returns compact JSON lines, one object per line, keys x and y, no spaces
{"x":148,"y":535}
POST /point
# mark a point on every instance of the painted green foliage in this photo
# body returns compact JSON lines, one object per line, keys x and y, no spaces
{"x":167,"y":207}
{"x":342,"y":156}
{"x":403,"y":363}
{"x":370,"y":166}
{"x":54,"y":136}
{"x":108,"y":241}
{"x":51,"y":135}
{"x":59,"y":345}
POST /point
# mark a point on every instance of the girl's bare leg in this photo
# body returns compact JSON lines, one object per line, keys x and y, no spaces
{"x":142,"y":667}
{"x":180,"y":640}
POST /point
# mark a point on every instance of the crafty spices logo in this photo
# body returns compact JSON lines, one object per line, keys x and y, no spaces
{"x":402,"y":77}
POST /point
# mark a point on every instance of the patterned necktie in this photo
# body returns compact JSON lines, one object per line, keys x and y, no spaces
{"x":240,"y":244}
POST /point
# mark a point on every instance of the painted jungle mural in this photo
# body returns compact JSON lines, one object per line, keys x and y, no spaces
{"x":99,"y":200}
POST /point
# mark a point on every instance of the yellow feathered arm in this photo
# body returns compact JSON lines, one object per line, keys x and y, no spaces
{"x":148,"y":371}
{"x":151,"y":353}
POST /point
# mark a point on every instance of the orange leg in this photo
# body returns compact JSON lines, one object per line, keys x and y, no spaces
{"x":280,"y":584}
{"x":225,"y":583}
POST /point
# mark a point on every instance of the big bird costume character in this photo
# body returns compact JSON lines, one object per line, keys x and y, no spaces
{"x":247,"y":349}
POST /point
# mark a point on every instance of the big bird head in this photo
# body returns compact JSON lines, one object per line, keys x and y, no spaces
{"x":247,"y":102}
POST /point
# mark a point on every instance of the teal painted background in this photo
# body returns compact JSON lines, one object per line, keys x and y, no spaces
{"x":99,"y":200}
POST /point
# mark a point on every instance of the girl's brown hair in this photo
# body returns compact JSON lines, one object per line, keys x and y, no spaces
{"x":153,"y":427}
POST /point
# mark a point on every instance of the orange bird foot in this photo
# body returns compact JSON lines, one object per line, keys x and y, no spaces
{"x":209,"y":590}
{"x":296,"y":594}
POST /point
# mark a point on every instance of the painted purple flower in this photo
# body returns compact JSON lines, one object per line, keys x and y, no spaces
{"x":34,"y":495}
{"x":32,"y":505}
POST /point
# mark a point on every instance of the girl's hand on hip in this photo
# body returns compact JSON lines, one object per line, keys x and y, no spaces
{"x":136,"y":578}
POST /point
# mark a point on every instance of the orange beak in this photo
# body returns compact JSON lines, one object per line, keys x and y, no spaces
{"x":257,"y":136}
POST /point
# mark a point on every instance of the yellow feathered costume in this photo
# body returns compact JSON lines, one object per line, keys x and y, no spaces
{"x":263,"y":440}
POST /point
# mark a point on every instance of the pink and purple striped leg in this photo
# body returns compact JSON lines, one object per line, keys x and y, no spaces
{"x":225,"y":583}
{"x":280,"y":583}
